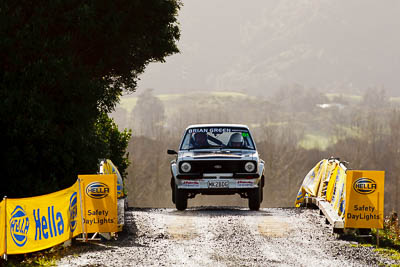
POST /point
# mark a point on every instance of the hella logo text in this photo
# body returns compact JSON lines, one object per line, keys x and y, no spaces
{"x":364,"y":186}
{"x":19,"y":226}
{"x":49,"y":225}
{"x":97,"y":190}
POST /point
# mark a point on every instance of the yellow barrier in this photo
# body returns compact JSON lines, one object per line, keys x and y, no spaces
{"x":339,"y":192}
{"x":36,"y":223}
{"x":41,"y":222}
{"x":310,"y":184}
{"x":357,"y":197}
{"x":100,"y":209}
{"x":332,"y":182}
{"x":365,"y":195}
{"x":328,"y":171}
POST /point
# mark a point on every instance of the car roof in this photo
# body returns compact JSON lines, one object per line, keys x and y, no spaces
{"x":217,"y":125}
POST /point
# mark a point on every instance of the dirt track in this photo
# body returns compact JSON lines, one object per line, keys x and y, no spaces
{"x":208,"y":236}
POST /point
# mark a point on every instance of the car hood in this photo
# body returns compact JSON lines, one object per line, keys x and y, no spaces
{"x":195,"y":155}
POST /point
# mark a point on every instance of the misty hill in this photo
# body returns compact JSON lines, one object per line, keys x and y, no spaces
{"x":263,"y":45}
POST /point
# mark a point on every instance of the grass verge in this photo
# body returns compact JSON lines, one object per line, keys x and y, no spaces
{"x":47,"y":257}
{"x":389,"y":239}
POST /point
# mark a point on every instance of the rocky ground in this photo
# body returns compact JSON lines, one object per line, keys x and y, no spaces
{"x":224,"y":236}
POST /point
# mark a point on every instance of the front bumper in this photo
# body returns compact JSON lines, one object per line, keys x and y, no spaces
{"x":212,"y":184}
{"x":218,"y":175}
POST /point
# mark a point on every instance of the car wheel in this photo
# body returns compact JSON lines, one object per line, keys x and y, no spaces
{"x":255,"y":198}
{"x":181,"y":199}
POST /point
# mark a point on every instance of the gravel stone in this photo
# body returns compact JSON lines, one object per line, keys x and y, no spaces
{"x":224,"y":236}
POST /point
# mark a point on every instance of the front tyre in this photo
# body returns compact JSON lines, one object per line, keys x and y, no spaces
{"x":181,"y":199}
{"x":255,"y":198}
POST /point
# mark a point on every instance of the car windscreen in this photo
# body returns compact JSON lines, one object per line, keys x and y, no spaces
{"x":217,"y":137}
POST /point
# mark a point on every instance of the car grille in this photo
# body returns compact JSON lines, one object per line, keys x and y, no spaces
{"x":218,"y":166}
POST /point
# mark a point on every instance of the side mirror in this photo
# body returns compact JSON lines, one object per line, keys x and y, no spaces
{"x":171,"y":152}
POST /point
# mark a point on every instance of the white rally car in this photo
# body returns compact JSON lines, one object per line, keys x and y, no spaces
{"x":217,"y":159}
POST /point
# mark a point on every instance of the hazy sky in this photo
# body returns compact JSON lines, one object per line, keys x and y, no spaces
{"x":260,"y":45}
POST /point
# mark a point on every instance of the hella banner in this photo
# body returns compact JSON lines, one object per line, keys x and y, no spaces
{"x":365,"y":199}
{"x":2,"y":227}
{"x":100,"y":210}
{"x":41,"y":222}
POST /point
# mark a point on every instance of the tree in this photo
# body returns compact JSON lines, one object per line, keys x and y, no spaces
{"x":111,"y":143}
{"x":148,"y":115}
{"x":375,"y":98}
{"x":63,"y":65}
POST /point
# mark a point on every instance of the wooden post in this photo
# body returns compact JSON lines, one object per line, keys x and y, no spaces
{"x":377,"y":238}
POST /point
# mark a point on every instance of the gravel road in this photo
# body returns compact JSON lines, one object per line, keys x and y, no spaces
{"x":224,"y":236}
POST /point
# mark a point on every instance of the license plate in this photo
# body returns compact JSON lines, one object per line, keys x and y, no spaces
{"x":218,"y":184}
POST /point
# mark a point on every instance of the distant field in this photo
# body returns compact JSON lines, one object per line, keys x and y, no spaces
{"x":229,"y":94}
{"x":395,"y":100}
{"x":315,"y":141}
{"x":356,"y":98}
{"x":321,"y":139}
{"x":348,"y":97}
{"x":169,"y":97}
{"x":129,"y":102}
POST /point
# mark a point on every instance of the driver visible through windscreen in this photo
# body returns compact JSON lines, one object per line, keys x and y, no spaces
{"x":220,"y":138}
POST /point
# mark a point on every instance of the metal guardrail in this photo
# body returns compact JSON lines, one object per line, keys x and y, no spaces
{"x":326,"y":208}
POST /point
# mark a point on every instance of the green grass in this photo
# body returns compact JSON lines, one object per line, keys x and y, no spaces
{"x":169,"y":97}
{"x":128,"y":103}
{"x":389,"y":253}
{"x":395,"y":100}
{"x":46,"y":258}
{"x":389,"y":245}
{"x":347,"y":131}
{"x":311,"y":141}
{"x":356,"y":98}
{"x":347,"y":97}
{"x":229,"y":94}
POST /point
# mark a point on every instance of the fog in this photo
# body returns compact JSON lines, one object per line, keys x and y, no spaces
{"x":256,"y":46}
{"x":312,"y":79}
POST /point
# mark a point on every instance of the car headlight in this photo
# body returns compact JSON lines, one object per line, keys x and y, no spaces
{"x":186,"y":167}
{"x":249,"y":167}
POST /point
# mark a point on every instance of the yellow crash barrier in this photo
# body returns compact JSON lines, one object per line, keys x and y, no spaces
{"x":100,"y":210}
{"x":41,"y":222}
{"x":356,"y":197}
{"x":36,"y":223}
{"x":365,"y":199}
